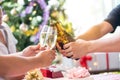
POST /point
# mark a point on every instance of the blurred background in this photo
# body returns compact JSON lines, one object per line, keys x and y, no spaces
{"x":26,"y":17}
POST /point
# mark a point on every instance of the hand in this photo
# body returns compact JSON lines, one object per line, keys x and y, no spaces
{"x":32,"y":50}
{"x":46,"y":57}
{"x":62,"y":51}
{"x":76,"y":49}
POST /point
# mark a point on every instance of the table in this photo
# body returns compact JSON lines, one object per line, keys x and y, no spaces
{"x":88,"y":78}
{"x":106,"y":77}
{"x":94,"y":77}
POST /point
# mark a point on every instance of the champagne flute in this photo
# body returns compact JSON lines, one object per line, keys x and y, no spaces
{"x":51,"y":37}
{"x":48,"y":36}
{"x":43,"y":35}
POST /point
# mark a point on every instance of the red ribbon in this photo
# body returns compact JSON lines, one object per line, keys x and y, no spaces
{"x":107,"y":60}
{"x":84,"y":59}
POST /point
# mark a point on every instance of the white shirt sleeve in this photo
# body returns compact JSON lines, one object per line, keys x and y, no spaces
{"x":12,"y":41}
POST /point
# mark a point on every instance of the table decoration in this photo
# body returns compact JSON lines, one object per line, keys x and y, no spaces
{"x":52,"y":72}
{"x":34,"y":75}
{"x":77,"y":72}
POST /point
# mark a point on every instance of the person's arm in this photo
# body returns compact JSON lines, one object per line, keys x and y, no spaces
{"x":111,"y":44}
{"x":27,"y":52}
{"x":17,"y":65}
{"x":14,"y":65}
{"x":96,"y":31}
{"x":81,"y":47}
{"x":108,"y":25}
{"x":30,"y":51}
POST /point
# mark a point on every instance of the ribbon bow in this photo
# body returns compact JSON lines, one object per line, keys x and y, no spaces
{"x":84,"y":59}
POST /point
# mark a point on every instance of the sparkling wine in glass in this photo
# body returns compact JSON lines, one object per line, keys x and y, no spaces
{"x":48,"y":37}
{"x":51,"y":37}
{"x":43,"y":35}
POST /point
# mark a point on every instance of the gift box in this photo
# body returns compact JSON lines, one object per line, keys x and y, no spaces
{"x":50,"y":73}
{"x":100,"y":62}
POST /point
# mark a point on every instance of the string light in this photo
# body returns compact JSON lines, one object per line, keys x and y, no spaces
{"x":34,"y":12}
{"x":34,"y":4}
{"x":30,"y":18}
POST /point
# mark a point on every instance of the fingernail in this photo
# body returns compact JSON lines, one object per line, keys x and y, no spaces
{"x":77,"y":59}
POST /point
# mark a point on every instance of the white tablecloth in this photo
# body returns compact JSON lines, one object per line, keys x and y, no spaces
{"x":94,"y":77}
{"x":87,"y":78}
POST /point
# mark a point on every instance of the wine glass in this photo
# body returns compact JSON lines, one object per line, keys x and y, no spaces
{"x":43,"y":34}
{"x":51,"y":37}
{"x":48,"y":37}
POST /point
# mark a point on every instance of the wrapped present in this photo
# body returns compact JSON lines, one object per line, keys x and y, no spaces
{"x":98,"y":62}
{"x":51,"y":72}
{"x":34,"y":74}
{"x":114,"y":61}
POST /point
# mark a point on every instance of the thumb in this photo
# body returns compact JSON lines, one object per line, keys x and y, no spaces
{"x":36,"y":47}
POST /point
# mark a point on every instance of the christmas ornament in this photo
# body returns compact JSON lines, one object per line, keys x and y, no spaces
{"x":13,"y":11}
{"x":5,"y":18}
{"x":12,"y":28}
{"x":23,"y":27}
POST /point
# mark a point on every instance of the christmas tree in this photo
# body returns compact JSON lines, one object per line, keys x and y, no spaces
{"x":25,"y":18}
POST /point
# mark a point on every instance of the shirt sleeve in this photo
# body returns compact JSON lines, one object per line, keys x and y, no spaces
{"x":114,"y":17}
{"x":10,"y":33}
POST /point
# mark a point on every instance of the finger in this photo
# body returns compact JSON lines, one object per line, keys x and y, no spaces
{"x":69,"y":55}
{"x":35,"y":47}
{"x":42,"y":48}
{"x":74,"y":57}
{"x":52,"y":52}
{"x":58,"y":46}
{"x":62,"y":51}
{"x":64,"y":54}
{"x":39,"y":44}
{"x":37,"y":51}
{"x":68,"y":50}
{"x":66,"y":46}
